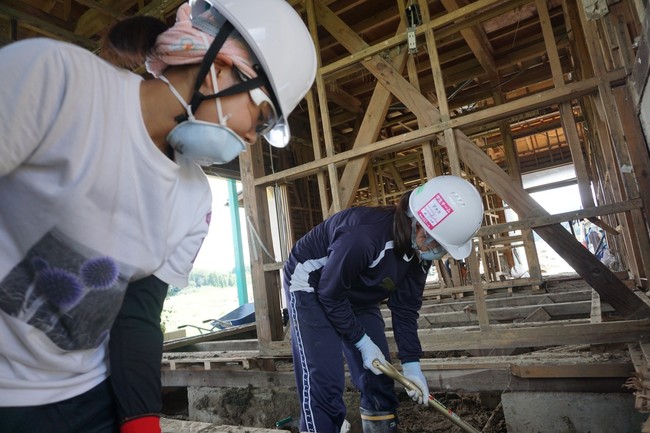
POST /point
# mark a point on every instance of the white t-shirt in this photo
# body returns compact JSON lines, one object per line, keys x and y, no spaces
{"x":87,"y":204}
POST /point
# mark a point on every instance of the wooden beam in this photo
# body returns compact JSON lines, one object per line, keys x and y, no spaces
{"x":402,"y":141}
{"x":534,"y":336}
{"x":230,"y":333}
{"x":468,"y":317}
{"x":266,"y":286}
{"x":324,"y":111}
{"x":101,"y":7}
{"x":46,"y":28}
{"x":478,"y":43}
{"x":559,"y":333}
{"x":605,"y":209}
{"x":344,"y":100}
{"x":313,"y":113}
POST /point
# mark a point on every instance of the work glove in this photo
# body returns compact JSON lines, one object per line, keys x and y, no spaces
{"x":413,"y":372}
{"x":370,"y":352}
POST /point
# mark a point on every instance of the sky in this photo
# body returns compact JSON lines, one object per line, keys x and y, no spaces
{"x":217,"y":252}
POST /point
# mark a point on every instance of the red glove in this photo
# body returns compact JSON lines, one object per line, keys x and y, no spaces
{"x":145,"y":424}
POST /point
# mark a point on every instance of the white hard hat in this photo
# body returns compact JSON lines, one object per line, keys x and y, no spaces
{"x":283,"y":45}
{"x":450,"y":209}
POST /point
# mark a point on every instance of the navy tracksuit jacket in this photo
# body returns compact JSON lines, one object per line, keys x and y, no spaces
{"x":335,"y":279}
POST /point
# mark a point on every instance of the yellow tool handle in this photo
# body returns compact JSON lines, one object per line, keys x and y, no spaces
{"x":389,"y":370}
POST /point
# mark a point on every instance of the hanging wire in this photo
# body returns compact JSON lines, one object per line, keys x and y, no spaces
{"x":256,"y":236}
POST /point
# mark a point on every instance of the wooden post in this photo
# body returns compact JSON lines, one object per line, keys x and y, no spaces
{"x":266,"y":285}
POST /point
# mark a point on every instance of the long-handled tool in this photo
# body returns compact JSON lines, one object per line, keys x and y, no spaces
{"x":392,"y":372}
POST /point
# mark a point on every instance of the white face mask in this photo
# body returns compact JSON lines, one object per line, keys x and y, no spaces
{"x":433,"y":253}
{"x":205,"y":143}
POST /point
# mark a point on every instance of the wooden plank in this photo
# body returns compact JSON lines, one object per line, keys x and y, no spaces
{"x":466,"y":373}
{"x":568,"y":370}
{"x":228,"y":378}
{"x":535,"y":336}
{"x":511,"y":301}
{"x":507,"y":284}
{"x":525,"y":314}
{"x":217,"y":335}
{"x":556,"y":333}
{"x":539,"y":314}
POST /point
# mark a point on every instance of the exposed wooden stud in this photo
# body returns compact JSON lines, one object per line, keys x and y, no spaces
{"x":479,"y":294}
{"x":266,"y":287}
{"x":313,"y":117}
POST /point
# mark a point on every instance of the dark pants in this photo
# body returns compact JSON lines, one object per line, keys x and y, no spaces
{"x":135,"y":350}
{"x":318,"y":365}
{"x":90,"y":412}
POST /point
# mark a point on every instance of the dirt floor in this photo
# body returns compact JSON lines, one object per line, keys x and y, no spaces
{"x":483,"y":413}
{"x":482,"y":416}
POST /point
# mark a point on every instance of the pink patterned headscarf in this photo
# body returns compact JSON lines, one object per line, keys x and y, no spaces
{"x":182,"y":44}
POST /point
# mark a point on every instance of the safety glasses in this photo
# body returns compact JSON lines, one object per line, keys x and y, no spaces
{"x":268,"y":117}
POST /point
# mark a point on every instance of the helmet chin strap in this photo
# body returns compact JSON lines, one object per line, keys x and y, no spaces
{"x":223,"y":120}
{"x":208,"y":64}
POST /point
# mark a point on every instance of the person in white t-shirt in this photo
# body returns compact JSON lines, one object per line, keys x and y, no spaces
{"x":103,"y":202}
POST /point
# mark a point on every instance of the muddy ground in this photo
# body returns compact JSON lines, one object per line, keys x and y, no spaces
{"x":246,"y":408}
{"x":482,"y":415}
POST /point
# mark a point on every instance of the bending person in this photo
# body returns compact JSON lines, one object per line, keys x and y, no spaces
{"x":335,"y":279}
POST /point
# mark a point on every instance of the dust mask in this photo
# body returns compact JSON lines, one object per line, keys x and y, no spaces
{"x":205,"y":143}
{"x":433,"y":253}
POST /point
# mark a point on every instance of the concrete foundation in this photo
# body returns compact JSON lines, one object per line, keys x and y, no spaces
{"x":255,"y":407}
{"x":558,"y":412}
{"x":176,"y":426}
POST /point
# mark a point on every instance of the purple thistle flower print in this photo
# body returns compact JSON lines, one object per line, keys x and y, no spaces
{"x":39,"y":264}
{"x":62,"y":288}
{"x":99,"y":273}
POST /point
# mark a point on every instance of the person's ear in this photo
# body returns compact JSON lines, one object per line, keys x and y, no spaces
{"x":221,"y":66}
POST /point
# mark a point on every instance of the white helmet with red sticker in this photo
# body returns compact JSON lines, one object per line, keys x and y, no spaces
{"x":450,"y":209}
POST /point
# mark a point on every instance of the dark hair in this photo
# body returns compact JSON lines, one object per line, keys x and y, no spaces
{"x":402,"y":227}
{"x":128,"y":42}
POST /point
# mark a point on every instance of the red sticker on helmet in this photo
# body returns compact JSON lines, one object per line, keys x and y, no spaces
{"x":434,"y":212}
